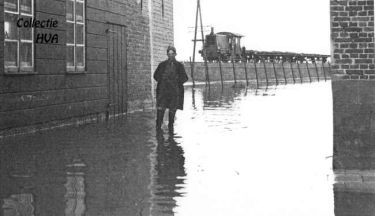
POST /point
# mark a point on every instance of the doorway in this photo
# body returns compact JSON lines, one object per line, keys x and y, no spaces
{"x":117,"y":70}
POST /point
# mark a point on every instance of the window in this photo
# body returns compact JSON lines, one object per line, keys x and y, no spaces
{"x":18,"y":41}
{"x":162,"y":8}
{"x":141,"y":3}
{"x":75,"y":43}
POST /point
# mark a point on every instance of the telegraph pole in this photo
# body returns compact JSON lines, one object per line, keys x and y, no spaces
{"x":199,"y":13}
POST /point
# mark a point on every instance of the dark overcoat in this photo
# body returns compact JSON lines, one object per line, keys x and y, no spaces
{"x":181,"y":79}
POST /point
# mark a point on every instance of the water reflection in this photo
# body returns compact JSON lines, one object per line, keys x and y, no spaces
{"x":247,"y":153}
{"x":18,"y":205}
{"x":193,"y":99}
{"x":91,"y":170}
{"x":169,"y":176}
{"x":354,"y":194}
{"x":75,"y":189}
{"x":217,"y":96}
{"x":236,"y":151}
{"x":223,"y":97}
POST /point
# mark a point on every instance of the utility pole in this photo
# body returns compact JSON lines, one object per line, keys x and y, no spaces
{"x":199,"y":13}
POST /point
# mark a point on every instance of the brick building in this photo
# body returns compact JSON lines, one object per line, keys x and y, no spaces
{"x":353,"y":85}
{"x":96,"y":60}
{"x":353,"y":75}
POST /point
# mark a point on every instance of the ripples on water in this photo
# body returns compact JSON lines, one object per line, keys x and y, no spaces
{"x":235,"y":152}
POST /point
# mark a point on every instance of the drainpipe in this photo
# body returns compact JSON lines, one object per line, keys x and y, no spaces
{"x":151,"y":51}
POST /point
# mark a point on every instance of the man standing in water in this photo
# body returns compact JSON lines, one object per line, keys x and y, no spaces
{"x":171,"y":76}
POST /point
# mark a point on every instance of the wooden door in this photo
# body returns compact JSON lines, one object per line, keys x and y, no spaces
{"x":117,"y":69}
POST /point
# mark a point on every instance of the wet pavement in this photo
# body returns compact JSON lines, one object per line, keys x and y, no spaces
{"x":235,"y":152}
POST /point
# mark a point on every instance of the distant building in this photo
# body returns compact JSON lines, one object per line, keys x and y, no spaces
{"x":92,"y":58}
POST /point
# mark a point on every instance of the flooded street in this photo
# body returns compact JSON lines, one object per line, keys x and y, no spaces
{"x":259,"y":152}
{"x":265,"y":152}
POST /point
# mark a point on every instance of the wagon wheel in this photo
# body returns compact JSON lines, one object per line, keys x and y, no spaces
{"x":224,"y":58}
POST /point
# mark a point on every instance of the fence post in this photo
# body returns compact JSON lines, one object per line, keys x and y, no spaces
{"x":282,"y":65}
{"x":206,"y":69}
{"x":317,"y":72}
{"x":221,"y":72}
{"x":234,"y":72}
{"x":308,"y":71}
{"x":274,"y":71}
{"x":247,"y":81}
{"x":291,"y":67}
{"x":299,"y":71}
{"x":192,"y":71}
{"x":324,"y":72}
{"x":256,"y":73}
{"x":265,"y":70}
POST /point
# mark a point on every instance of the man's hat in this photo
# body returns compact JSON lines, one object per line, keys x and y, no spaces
{"x":171,"y":48}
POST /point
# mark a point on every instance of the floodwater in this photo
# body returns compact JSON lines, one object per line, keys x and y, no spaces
{"x":235,"y":152}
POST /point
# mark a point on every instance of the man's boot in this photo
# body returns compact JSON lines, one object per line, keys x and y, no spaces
{"x":172,"y":114}
{"x":159,"y":119}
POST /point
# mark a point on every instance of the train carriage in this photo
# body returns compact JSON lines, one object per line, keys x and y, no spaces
{"x":226,"y":46}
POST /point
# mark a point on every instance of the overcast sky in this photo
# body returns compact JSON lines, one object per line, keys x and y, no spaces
{"x":268,"y":25}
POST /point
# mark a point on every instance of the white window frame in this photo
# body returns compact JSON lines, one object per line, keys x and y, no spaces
{"x":76,"y":68}
{"x":19,"y":69}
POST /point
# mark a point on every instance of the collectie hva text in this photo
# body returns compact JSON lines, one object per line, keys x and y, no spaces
{"x":34,"y":23}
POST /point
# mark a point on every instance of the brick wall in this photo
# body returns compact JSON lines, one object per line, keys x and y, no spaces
{"x":54,"y":95}
{"x":352,"y":35}
{"x":162,"y":33}
{"x":136,"y":20}
{"x":162,"y":27}
{"x":1,"y":36}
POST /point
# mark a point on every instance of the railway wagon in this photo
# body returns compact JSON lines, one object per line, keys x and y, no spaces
{"x":226,"y":46}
